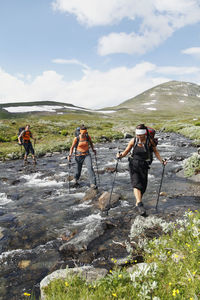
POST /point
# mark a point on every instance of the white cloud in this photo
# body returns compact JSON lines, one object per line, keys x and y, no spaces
{"x":158,"y":20}
{"x":194,"y":51}
{"x":70,"y":62}
{"x":95,"y":89}
{"x":178,"y":70}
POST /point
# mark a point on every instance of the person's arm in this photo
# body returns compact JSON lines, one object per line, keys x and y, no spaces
{"x":127,"y":150}
{"x":157,"y":154}
{"x":19,"y":137}
{"x":92,"y":145}
{"x":72,"y":148}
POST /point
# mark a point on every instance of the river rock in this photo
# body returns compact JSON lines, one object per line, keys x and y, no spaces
{"x":1,"y":233}
{"x":163,"y":194}
{"x":104,"y":201}
{"x":23,"y":264}
{"x":128,"y":135}
{"x":88,"y":272}
{"x":81,"y":241}
{"x":90,"y":194}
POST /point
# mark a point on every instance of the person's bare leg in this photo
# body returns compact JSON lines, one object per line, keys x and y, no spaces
{"x":138,"y":196}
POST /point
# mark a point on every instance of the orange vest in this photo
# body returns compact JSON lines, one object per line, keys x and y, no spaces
{"x":26,"y":136}
{"x":83,"y":145}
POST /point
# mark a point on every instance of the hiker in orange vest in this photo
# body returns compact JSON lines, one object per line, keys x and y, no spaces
{"x":139,"y":162}
{"x":25,"y":139}
{"x":81,"y":145}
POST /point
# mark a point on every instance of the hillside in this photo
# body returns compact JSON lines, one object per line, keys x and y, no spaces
{"x":169,"y":98}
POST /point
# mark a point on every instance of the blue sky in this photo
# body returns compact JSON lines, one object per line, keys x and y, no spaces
{"x":95,"y":53}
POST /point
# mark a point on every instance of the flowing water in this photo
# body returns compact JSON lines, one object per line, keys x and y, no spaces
{"x":37,"y":209}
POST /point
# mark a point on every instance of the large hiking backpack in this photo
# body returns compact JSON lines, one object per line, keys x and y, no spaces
{"x":19,"y":132}
{"x":150,"y":137}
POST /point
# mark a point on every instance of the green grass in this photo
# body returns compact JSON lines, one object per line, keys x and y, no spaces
{"x":55,"y":133}
{"x":172,"y":269}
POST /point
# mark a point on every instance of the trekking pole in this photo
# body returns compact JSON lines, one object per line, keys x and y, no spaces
{"x":160,"y":187}
{"x":69,"y":175}
{"x":113,"y":185}
{"x":97,"y":169}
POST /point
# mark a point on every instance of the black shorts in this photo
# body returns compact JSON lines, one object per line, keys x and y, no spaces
{"x":139,"y":174}
{"x":28,"y":148}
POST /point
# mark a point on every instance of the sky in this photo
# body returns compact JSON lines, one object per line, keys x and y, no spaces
{"x":95,"y":53}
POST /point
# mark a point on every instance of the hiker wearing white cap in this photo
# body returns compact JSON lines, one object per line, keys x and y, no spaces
{"x":142,"y":148}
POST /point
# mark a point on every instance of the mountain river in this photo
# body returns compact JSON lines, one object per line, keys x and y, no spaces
{"x":37,"y":210}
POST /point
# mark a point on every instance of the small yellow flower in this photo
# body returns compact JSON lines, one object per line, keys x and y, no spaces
{"x":112,"y":259}
{"x":114,"y":295}
{"x":135,"y":260}
{"x":191,"y":298}
{"x":189,"y":279}
{"x":120,"y":275}
{"x":66,"y":284}
{"x":27,"y":294}
{"x":170,"y":283}
{"x":169,"y":252}
{"x":126,"y":262}
{"x":115,"y":261}
{"x":110,"y":271}
{"x":194,"y":272}
{"x":177,"y":291}
{"x":174,"y":293}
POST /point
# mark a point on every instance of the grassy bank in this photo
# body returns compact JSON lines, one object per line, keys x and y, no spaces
{"x":55,"y":133}
{"x":172,"y":269}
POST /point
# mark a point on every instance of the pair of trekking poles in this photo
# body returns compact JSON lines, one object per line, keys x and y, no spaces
{"x":69,"y":165}
{"x":116,"y":166}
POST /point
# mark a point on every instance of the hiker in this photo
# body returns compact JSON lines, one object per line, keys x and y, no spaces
{"x":139,"y":162}
{"x":81,"y":144}
{"x":24,"y":139}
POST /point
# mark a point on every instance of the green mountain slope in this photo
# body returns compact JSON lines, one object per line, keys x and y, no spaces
{"x":170,"y":98}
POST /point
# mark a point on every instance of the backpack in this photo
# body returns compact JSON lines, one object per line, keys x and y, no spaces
{"x":19,"y":132}
{"x":150,"y":137}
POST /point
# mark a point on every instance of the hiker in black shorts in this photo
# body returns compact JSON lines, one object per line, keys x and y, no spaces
{"x":24,"y":138}
{"x":139,"y":163}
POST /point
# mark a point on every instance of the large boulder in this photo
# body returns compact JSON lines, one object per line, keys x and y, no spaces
{"x":104,"y":201}
{"x":90,"y":194}
{"x":87,"y":272}
{"x":81,"y":241}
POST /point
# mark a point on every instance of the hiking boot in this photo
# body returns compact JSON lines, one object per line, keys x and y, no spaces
{"x":34,"y":162}
{"x":93,"y":186}
{"x":140,"y":208}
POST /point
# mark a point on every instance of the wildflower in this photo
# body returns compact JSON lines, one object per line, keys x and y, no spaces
{"x":66,"y":284}
{"x":191,"y":298}
{"x":27,"y":294}
{"x":120,"y":275}
{"x":126,"y":262}
{"x":114,"y":295}
{"x":110,"y":271}
{"x":112,"y":259}
{"x":115,"y":261}
{"x":189,"y":279}
{"x":170,"y":283}
{"x":174,"y":293}
{"x":194,"y":272}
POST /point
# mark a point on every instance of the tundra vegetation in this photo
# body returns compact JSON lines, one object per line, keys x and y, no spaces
{"x":171,"y":269}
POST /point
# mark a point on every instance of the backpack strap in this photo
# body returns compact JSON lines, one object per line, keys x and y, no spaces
{"x":135,"y":144}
